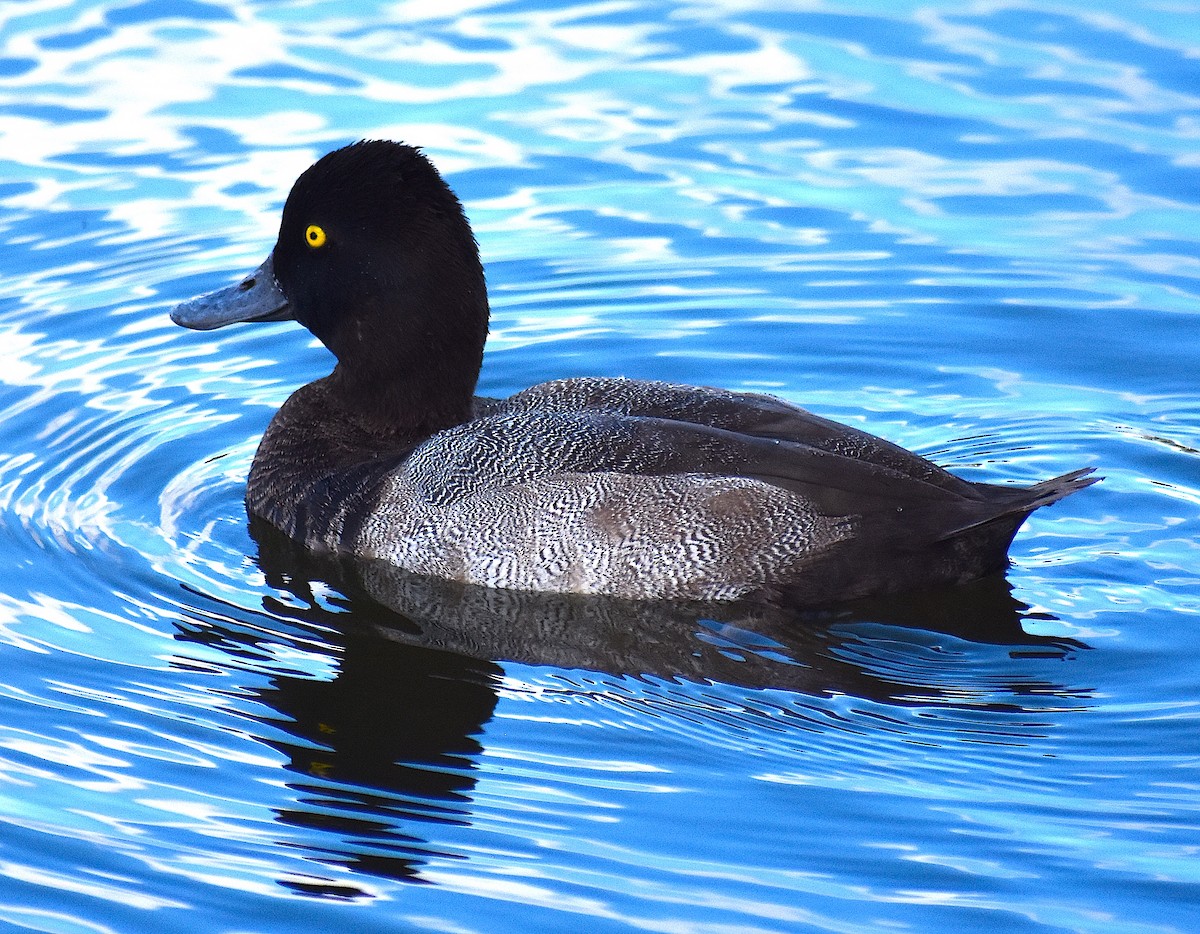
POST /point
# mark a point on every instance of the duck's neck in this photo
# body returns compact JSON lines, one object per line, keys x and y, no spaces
{"x":410,"y":396}
{"x":410,"y":367}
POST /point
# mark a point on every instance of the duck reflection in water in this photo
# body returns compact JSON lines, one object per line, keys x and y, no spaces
{"x":388,"y":746}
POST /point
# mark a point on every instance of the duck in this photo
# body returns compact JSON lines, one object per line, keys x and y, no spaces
{"x":606,"y":486}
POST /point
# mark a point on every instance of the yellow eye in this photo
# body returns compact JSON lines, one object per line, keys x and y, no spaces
{"x":315,"y":236}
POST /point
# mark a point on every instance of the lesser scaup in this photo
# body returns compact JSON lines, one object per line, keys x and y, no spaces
{"x":610,"y":486}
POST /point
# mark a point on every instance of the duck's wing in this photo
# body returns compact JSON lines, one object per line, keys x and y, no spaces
{"x":520,"y":447}
{"x":749,"y":414}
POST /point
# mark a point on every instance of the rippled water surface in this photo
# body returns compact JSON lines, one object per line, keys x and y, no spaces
{"x":968,"y":228}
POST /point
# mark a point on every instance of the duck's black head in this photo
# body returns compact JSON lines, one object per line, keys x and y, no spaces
{"x":376,"y":258}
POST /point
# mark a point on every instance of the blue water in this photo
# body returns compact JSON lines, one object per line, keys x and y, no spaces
{"x":970,"y":229}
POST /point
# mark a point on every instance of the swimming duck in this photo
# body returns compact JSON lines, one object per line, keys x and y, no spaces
{"x":628,"y":488}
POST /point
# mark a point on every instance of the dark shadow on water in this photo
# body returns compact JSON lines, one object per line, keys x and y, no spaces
{"x":385,"y":747}
{"x":390,"y":743}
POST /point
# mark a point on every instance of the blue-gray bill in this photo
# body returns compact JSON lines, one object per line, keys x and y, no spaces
{"x":256,"y":298}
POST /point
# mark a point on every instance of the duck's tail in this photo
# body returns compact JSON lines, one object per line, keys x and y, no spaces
{"x":1020,"y":502}
{"x":967,"y":547}
{"x":1051,"y":491}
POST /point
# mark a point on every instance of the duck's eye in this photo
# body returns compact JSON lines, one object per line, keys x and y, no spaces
{"x":314,"y":236}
